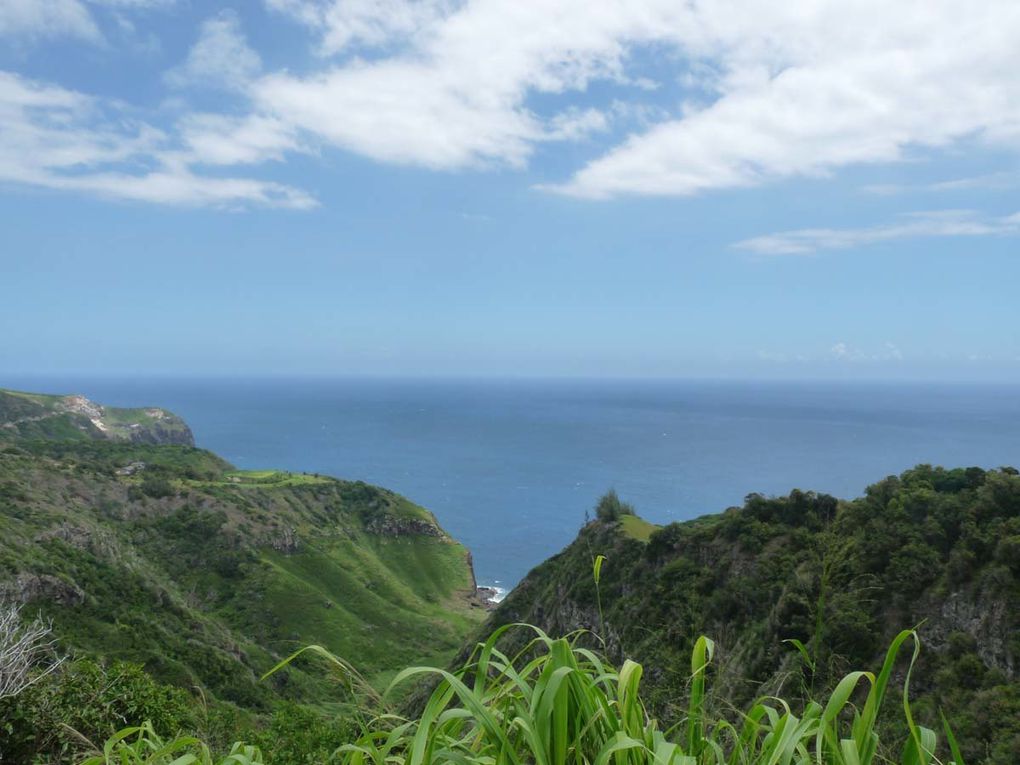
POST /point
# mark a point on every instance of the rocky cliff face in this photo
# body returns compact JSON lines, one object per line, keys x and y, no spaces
{"x":29,"y":588}
{"x":168,"y":429}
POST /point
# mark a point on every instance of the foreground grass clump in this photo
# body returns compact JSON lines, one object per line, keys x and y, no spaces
{"x":556,"y":703}
{"x":142,"y":746}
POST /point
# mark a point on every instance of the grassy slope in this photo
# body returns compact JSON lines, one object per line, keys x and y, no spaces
{"x":637,"y":527}
{"x":24,"y":402}
{"x":936,"y":546}
{"x":209,"y":575}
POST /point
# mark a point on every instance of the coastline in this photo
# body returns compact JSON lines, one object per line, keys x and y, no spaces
{"x":492,"y":594}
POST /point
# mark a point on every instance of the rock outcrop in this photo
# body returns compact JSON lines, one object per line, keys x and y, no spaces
{"x":28,"y":588}
{"x":391,"y":526}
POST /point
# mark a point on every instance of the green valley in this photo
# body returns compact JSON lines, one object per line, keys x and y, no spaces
{"x":175,"y":582}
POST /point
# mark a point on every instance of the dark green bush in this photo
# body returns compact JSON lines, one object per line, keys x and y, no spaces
{"x":610,"y":507}
{"x":55,"y":720}
{"x":297,"y":735}
{"x":157,"y":487}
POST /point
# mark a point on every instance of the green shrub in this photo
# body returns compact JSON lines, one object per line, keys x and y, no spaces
{"x":297,"y":735}
{"x":55,"y":720}
{"x":610,"y":507}
{"x":157,"y":487}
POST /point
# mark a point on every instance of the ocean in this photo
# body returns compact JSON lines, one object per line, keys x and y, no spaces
{"x":511,"y":468}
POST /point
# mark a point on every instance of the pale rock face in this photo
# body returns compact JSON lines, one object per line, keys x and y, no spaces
{"x":285,"y":541}
{"x":78,"y":404}
{"x":984,"y":616}
{"x":28,"y":587}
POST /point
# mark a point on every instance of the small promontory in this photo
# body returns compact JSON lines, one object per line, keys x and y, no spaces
{"x":76,"y":418}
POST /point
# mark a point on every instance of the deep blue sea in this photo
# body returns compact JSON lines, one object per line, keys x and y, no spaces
{"x":510,"y":468}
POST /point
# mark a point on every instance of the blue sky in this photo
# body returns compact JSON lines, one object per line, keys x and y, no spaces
{"x":562,"y":188}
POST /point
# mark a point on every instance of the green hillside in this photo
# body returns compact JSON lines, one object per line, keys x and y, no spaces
{"x":76,"y":418}
{"x":933,"y":547}
{"x":207,"y":576}
{"x":140,"y":548}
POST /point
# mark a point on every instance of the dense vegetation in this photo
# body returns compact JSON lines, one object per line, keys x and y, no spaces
{"x":611,"y":508}
{"x":70,"y":714}
{"x":168,"y":559}
{"x":556,"y":703}
{"x":173,"y":582}
{"x":798,"y":589}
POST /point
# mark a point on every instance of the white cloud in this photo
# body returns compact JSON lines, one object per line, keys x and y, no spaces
{"x":814,"y":85}
{"x":840,"y":352}
{"x":344,"y":23}
{"x":180,"y":186}
{"x":844,"y":352}
{"x":942,"y":223}
{"x":216,"y":139}
{"x":134,"y":4}
{"x":574,"y":124}
{"x":989,"y":182}
{"x":220,"y":58}
{"x":456,"y":93}
{"x":55,"y":138}
{"x":394,"y":112}
{"x":35,"y":19}
{"x":800,"y":88}
{"x":778,"y":357}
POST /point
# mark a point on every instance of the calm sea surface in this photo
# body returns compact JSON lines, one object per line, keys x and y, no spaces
{"x":510,"y":468}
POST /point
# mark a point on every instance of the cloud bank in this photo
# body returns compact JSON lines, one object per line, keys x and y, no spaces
{"x":801,"y":88}
{"x":940,"y":223}
{"x":57,"y":138}
{"x":749,"y":92}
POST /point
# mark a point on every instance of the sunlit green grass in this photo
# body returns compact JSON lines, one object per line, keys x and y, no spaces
{"x":351,"y":599}
{"x":637,"y":527}
{"x":43,"y":399}
{"x":272,"y":478}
